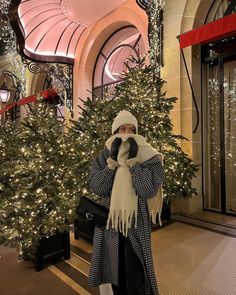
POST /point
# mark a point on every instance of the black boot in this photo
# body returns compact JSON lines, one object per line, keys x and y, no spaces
{"x":134,"y":271}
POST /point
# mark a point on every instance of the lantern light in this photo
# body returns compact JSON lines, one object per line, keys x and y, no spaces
{"x":4,"y":93}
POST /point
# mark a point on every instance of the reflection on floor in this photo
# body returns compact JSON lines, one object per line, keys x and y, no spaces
{"x":217,"y":217}
{"x":209,"y":220}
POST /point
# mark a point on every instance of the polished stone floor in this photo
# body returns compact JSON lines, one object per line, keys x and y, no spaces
{"x":194,"y":261}
{"x":188,"y":261}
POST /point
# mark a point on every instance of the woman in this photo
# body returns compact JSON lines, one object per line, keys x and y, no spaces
{"x":126,"y":174}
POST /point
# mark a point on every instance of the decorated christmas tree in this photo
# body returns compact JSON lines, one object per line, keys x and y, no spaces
{"x":44,"y":193}
{"x":88,"y":135}
{"x":9,"y":150}
{"x":140,"y":92}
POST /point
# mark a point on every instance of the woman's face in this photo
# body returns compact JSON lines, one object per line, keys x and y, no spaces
{"x":126,"y":129}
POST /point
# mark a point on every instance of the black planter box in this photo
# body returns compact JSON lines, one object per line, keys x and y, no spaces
{"x":54,"y":247}
{"x":166,"y":212}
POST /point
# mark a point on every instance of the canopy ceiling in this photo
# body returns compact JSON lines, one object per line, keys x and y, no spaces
{"x":52,"y":28}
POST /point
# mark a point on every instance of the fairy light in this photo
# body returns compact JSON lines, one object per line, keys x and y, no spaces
{"x":61,"y":81}
{"x":154,"y":10}
{"x":7,"y":37}
{"x":214,"y":126}
{"x":48,"y":197}
{"x":141,"y":93}
{"x":8,"y":48}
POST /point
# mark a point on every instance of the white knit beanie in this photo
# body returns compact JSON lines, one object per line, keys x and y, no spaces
{"x":124,"y":117}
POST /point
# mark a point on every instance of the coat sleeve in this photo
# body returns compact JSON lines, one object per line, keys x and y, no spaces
{"x":101,"y":177}
{"x":147,"y":177}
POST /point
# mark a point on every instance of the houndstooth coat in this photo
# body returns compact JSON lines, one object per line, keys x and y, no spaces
{"x":147,"y":178}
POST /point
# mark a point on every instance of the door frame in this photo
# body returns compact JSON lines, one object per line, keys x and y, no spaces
{"x":225,"y":52}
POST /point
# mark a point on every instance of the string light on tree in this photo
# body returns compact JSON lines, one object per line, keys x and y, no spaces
{"x":141,"y":93}
{"x":39,"y":194}
{"x":154,"y":10}
{"x":7,"y":36}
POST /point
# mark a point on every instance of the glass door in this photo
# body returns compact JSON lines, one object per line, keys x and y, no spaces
{"x":219,"y":132}
{"x":229,"y":90}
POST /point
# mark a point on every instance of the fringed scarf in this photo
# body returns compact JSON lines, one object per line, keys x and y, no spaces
{"x":124,"y":201}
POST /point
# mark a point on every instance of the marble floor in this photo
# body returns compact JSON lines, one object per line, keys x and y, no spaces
{"x":188,"y":261}
{"x":194,"y":261}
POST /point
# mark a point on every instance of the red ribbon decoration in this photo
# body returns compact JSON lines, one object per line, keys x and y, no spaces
{"x":46,"y":94}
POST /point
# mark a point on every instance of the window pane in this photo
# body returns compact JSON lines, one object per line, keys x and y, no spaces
{"x":115,"y":64}
{"x":218,"y":9}
{"x":118,"y":48}
{"x":120,"y":37}
{"x":98,"y":71}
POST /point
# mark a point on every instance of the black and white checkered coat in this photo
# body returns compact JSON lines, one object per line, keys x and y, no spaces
{"x":147,"y":178}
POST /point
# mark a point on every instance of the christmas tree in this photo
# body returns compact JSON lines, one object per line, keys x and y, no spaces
{"x":140,"y":92}
{"x":9,"y":150}
{"x":88,"y":135}
{"x":44,"y":193}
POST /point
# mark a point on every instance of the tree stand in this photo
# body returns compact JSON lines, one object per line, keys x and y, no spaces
{"x":54,"y":247}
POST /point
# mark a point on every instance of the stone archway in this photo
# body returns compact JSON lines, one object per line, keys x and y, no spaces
{"x":128,"y":14}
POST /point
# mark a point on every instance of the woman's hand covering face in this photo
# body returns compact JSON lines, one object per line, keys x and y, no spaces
{"x":115,"y":148}
{"x":133,"y":148}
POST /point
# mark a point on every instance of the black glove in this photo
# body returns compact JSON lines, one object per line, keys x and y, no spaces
{"x":115,"y":148}
{"x":133,"y":150}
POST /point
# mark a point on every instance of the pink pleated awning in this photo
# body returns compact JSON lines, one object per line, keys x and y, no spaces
{"x":52,"y":28}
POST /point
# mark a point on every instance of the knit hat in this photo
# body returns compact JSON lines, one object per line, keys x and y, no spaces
{"x":124,"y":117}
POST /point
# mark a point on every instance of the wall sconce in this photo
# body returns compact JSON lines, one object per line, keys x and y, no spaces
{"x":4,"y":92}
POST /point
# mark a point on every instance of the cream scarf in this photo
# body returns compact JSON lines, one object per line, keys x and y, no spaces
{"x":124,"y":202}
